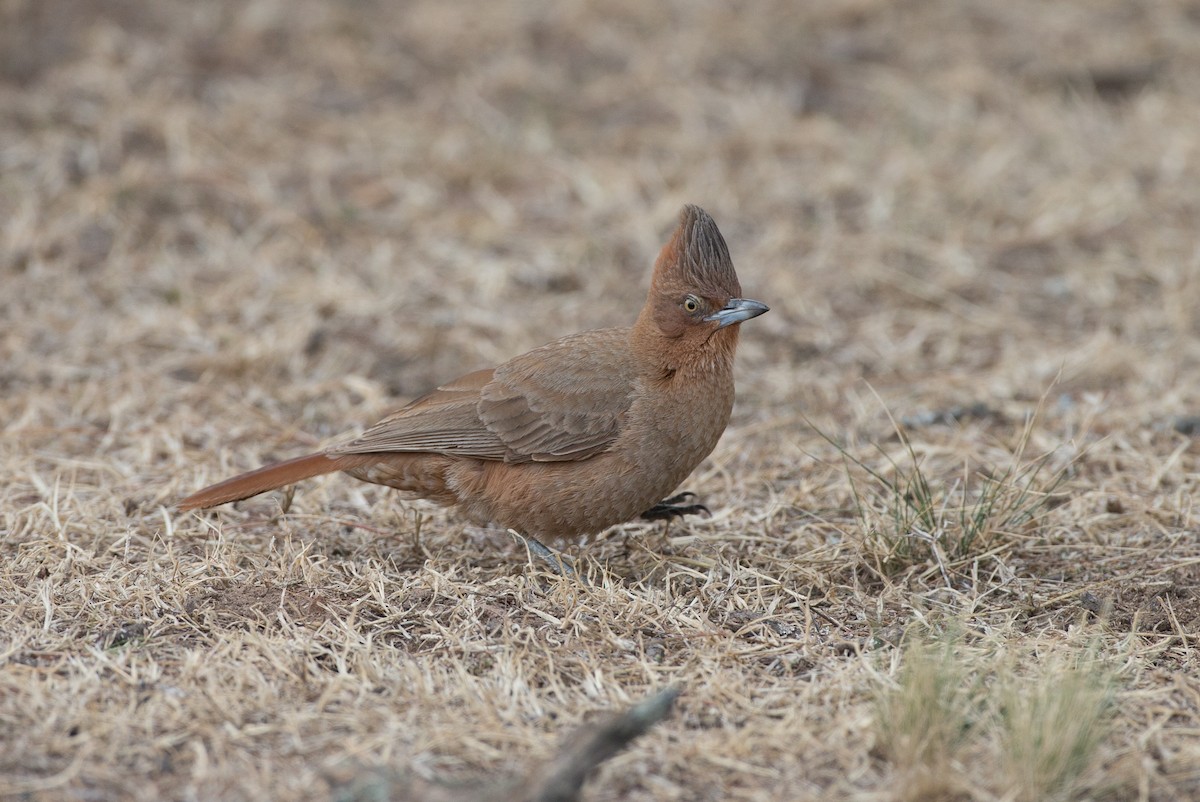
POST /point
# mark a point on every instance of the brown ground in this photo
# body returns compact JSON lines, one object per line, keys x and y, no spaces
{"x":231,"y":231}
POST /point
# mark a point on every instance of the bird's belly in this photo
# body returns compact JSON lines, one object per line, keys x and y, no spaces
{"x":563,"y":500}
{"x":559,"y":500}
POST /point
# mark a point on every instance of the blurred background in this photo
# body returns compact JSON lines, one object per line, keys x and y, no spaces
{"x":231,"y":231}
{"x":954,"y":201}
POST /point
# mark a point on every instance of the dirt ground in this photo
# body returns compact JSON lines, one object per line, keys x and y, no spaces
{"x":231,"y":232}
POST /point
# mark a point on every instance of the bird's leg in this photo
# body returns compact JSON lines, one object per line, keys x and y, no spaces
{"x":673,"y":507}
{"x":556,"y":561}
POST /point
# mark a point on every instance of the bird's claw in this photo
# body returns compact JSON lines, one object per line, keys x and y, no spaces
{"x":673,"y":507}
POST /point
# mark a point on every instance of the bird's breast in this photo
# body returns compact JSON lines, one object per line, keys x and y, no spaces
{"x":678,"y":424}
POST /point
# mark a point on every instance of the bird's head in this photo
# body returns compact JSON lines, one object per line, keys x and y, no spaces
{"x":695,"y":296}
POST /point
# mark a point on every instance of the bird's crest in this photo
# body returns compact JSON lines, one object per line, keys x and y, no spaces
{"x":698,"y":256}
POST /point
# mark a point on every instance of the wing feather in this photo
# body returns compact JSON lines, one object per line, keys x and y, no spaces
{"x":563,"y":401}
{"x":444,"y":421}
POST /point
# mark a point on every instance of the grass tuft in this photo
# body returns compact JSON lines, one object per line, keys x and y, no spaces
{"x":926,"y":717}
{"x":954,"y":702}
{"x":910,"y":516}
{"x":1053,"y":725}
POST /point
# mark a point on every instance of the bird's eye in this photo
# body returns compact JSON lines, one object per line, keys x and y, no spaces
{"x":691,"y":304}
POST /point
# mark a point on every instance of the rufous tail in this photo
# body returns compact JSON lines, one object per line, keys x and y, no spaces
{"x":270,"y":477}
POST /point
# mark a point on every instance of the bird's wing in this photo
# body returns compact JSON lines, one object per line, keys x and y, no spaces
{"x":563,"y":401}
{"x":445,"y":421}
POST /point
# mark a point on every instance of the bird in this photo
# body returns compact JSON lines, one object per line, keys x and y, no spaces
{"x":589,"y":431}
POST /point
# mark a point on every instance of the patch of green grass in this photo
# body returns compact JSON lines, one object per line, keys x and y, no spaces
{"x":1052,"y":725}
{"x":909,"y":515}
{"x":926,"y":717}
{"x":952,"y":702}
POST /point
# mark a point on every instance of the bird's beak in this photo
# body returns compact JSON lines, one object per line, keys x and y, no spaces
{"x":737,"y":310}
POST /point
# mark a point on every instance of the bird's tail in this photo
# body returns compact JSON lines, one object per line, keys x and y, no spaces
{"x":270,"y":477}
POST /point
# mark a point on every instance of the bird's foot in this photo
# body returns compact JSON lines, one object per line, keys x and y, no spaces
{"x":673,"y":507}
{"x":556,"y":562}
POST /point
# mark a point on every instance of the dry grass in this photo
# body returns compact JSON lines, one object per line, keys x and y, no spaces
{"x":993,"y":712}
{"x":232,"y":231}
{"x":926,"y":719}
